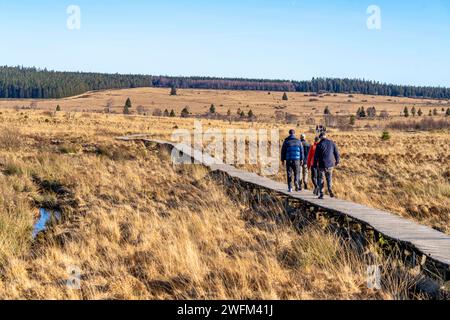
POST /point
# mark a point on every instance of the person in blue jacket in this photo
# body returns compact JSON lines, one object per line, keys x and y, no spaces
{"x":292,"y":155}
{"x":326,"y":158}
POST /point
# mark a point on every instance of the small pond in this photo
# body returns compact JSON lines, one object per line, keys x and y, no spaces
{"x":45,"y":217}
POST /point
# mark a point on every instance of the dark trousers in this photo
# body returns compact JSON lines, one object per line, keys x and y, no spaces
{"x":304,"y":175}
{"x":293,"y":168}
{"x":326,"y":173}
{"x":314,"y":176}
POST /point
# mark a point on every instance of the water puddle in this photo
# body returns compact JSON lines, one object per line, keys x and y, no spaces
{"x":45,"y":217}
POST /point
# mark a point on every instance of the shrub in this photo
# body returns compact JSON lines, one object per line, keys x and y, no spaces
{"x":69,"y":148}
{"x":426,"y":124}
{"x":12,"y":168}
{"x":10,"y":139}
{"x":185,"y":112}
{"x":385,"y":136}
{"x":115,"y":153}
{"x":157,"y":112}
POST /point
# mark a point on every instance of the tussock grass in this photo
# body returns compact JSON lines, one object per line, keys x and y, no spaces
{"x":10,"y":139}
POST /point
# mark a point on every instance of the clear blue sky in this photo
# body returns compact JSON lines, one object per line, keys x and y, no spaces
{"x":283,"y":39}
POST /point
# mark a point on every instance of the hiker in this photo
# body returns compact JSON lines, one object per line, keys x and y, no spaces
{"x":312,"y":167}
{"x":326,"y":157}
{"x":304,"y":173}
{"x":292,"y":156}
{"x":320,"y":129}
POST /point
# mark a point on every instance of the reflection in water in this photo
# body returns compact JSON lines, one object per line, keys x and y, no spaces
{"x":45,"y":217}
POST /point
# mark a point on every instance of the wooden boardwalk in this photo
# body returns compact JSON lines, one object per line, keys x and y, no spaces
{"x":433,"y":244}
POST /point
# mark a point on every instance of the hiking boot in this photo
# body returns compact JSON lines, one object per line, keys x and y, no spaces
{"x":320,"y":197}
{"x":316,"y":192}
{"x":289,"y":190}
{"x":296,"y":188}
{"x":306,"y":187}
{"x":332,"y":195}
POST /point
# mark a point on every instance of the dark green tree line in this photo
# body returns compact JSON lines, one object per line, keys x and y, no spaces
{"x":33,"y":83}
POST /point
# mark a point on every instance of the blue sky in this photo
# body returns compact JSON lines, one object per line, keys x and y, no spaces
{"x":282,"y":39}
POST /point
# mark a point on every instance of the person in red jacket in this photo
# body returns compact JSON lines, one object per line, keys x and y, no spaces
{"x":312,"y":167}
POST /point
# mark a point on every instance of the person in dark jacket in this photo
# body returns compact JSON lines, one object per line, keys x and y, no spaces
{"x":292,"y":155}
{"x":304,"y":173}
{"x":326,"y":158}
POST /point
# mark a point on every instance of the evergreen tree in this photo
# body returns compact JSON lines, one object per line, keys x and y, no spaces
{"x":128,"y":103}
{"x":406,"y":112}
{"x":430,"y":113}
{"x":435,"y":112}
{"x":285,"y":97}
{"x":250,"y":114}
{"x":173,"y":91}
{"x":185,"y":112}
{"x":362,"y":113}
{"x":126,"y":110}
{"x":327,"y":110}
{"x":166,"y":113}
{"x":212,"y":109}
{"x":413,"y":111}
{"x":352,"y":120}
{"x":420,"y":113}
{"x":447,"y":113}
{"x":58,"y":108}
{"x":172,"y":113}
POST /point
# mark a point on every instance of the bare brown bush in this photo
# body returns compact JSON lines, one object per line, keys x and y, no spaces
{"x":427,"y":124}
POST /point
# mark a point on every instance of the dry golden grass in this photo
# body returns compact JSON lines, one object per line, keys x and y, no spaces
{"x":262,"y":103}
{"x":137,"y":228}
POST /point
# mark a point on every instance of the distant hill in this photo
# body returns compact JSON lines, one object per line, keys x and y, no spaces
{"x":33,"y":83}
